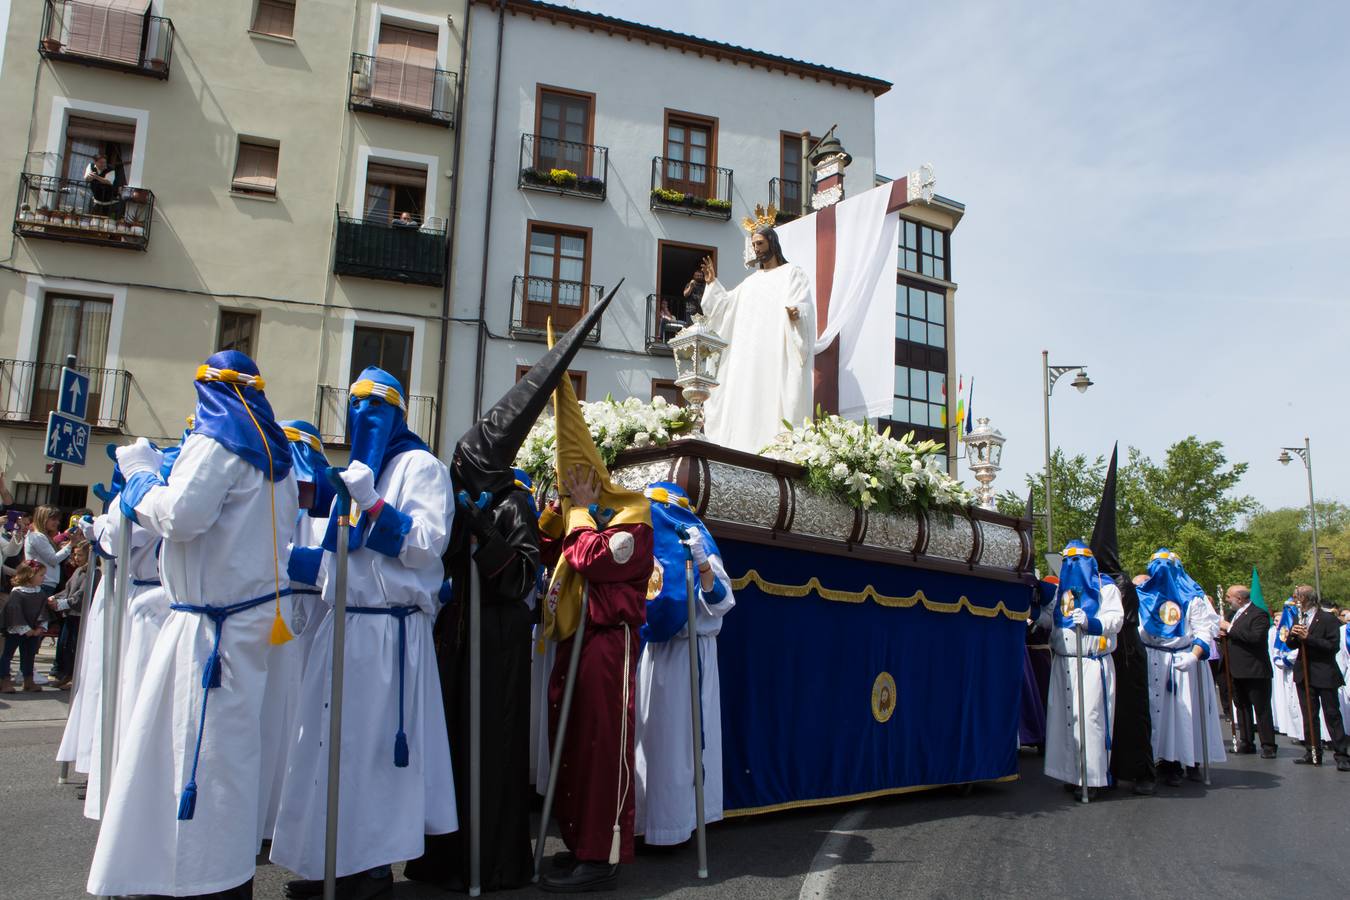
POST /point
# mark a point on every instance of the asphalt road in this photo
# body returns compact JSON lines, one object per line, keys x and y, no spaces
{"x":1263,"y":828}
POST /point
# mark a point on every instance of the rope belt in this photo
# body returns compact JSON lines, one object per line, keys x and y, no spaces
{"x":1171,"y":661}
{"x":401,"y":614}
{"x":187,"y":802}
{"x":145,"y":582}
{"x":305,"y":592}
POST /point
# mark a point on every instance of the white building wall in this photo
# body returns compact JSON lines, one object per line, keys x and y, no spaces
{"x":634,"y":84}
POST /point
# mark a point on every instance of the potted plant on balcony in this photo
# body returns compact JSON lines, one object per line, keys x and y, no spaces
{"x":668,"y":196}
{"x":43,"y":215}
{"x":535,"y":176}
{"x":589,"y":184}
{"x":563,"y":178}
{"x":719,"y":205}
{"x":695,"y":201}
{"x":25,"y":213}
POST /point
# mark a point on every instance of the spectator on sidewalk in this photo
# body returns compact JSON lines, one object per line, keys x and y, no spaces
{"x":23,"y":615}
{"x":69,"y":603}
{"x":1249,"y":665}
{"x":40,"y":545}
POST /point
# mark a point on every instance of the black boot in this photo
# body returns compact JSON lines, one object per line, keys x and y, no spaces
{"x":369,"y":885}
{"x":586,"y":877}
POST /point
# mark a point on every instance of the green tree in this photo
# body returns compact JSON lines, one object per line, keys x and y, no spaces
{"x":1077,"y":494}
{"x":1283,"y":541}
{"x":1335,"y":568}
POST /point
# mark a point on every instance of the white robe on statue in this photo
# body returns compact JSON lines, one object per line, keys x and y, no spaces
{"x":767,"y":373}
{"x":384,"y":810}
{"x":1176,"y":728}
{"x":220,"y":543}
{"x":1099,"y":693}
{"x":665,"y":748}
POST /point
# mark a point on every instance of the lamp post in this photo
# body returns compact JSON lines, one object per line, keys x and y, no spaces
{"x":698,"y":352}
{"x":1051,"y":374}
{"x":984,"y":453}
{"x":1305,"y":454}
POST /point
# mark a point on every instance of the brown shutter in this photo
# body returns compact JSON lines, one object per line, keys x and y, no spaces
{"x":107,"y":29}
{"x":400,"y":175}
{"x":255,"y":171}
{"x":275,"y":17}
{"x":405,"y":67}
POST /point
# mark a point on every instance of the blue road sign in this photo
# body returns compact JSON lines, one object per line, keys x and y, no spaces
{"x":67,"y":439}
{"x":74,"y":399}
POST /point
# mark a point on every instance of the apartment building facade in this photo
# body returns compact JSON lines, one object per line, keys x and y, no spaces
{"x":265,"y":175}
{"x":598,"y":149}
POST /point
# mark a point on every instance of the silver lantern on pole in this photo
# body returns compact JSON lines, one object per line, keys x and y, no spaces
{"x":698,"y":352}
{"x":984,"y":455}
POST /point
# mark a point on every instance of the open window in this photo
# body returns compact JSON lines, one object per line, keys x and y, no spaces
{"x":388,"y":348}
{"x":396,"y":194}
{"x":557,"y":275}
{"x":679,"y":287}
{"x":95,"y":160}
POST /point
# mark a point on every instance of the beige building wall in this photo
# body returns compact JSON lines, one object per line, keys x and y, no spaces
{"x":212,"y":248}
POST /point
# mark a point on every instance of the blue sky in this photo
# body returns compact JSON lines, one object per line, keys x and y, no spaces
{"x":1158,"y":190}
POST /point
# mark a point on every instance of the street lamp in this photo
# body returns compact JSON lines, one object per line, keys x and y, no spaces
{"x":1305,"y":454}
{"x":984,"y":453}
{"x":1050,"y":375}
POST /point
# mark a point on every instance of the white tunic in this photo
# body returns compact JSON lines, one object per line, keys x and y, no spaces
{"x":1343,"y":660}
{"x":1098,"y":689}
{"x":767,"y":374}
{"x":1176,"y":729}
{"x":221,"y":547}
{"x":665,"y":747}
{"x":1280,"y":693}
{"x":384,"y":811}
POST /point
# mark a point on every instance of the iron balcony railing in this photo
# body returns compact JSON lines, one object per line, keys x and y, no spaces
{"x":412,"y":253}
{"x":392,"y":87}
{"x":534,"y":301}
{"x":29,"y":390}
{"x":331,"y":415}
{"x":563,"y":167}
{"x":786,"y":197}
{"x":690,"y":188}
{"x":666,"y":315}
{"x":67,"y":209}
{"x":94,"y":34}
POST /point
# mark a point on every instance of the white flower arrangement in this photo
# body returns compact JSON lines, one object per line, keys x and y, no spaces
{"x":616,"y":425}
{"x":870,"y":469}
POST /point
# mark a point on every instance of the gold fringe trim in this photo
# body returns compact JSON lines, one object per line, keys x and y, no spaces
{"x":853,"y":798}
{"x":871,"y":593}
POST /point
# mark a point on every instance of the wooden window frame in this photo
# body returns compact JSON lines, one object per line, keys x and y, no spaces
{"x":253,"y":314}
{"x":558,"y":228}
{"x":577,"y":376}
{"x":253,"y":20}
{"x":97,"y":385}
{"x":384,"y":329}
{"x":539,"y":90}
{"x":698,"y":120}
{"x":661,"y":244}
{"x":377,"y":165}
{"x":261,"y":143}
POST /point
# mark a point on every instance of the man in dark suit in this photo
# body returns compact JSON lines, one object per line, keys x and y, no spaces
{"x":1317,"y":637}
{"x":1249,"y":664}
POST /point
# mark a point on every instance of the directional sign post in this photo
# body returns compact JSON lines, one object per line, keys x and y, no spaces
{"x":74,"y":400}
{"x":67,"y":439}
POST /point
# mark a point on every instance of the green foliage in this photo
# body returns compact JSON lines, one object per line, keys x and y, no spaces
{"x":1077,"y":492}
{"x":667,"y":195}
{"x":720,"y":205}
{"x":1283,"y":549}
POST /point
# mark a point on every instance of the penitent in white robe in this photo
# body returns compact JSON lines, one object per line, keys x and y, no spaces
{"x":221,"y":547}
{"x":1343,"y":660}
{"x":384,"y":810}
{"x":665,"y":747}
{"x":1099,"y":693}
{"x":1176,"y":727}
{"x":767,"y":373}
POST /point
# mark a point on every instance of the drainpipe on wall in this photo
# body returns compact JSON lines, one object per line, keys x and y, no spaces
{"x":487,"y":222}
{"x":451,"y":219}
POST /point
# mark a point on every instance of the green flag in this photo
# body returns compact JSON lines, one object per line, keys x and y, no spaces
{"x":1257,"y":596}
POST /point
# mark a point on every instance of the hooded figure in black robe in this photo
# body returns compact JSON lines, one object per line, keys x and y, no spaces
{"x":502,"y":539}
{"x":1132,"y":730}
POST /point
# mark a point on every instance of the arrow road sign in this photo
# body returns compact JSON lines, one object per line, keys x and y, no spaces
{"x":74,"y":399}
{"x":67,"y":439}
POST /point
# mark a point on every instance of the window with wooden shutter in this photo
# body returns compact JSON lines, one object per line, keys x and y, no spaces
{"x":404,"y":67}
{"x":255,"y":168}
{"x":557,"y":272}
{"x":107,"y":29}
{"x":275,"y":17}
{"x":392,"y":191}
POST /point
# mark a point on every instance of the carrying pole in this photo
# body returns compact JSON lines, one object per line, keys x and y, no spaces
{"x":475,"y":730}
{"x":1310,"y":723}
{"x":330,"y":837}
{"x":559,"y":741}
{"x":112,"y":662}
{"x":1202,"y":677}
{"x":696,"y":707}
{"x":1082,"y":718}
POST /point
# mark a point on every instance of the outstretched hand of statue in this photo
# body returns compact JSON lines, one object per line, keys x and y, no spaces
{"x":709,"y":269}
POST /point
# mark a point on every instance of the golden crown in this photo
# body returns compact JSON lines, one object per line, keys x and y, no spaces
{"x":761,"y":218}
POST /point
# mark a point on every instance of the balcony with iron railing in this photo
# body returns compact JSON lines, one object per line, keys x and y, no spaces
{"x":123,"y":37}
{"x":331,"y":416}
{"x":690,"y":188}
{"x":786,"y":197}
{"x":403,"y":90}
{"x":563,"y":167}
{"x":411,"y":253}
{"x":29,"y":390}
{"x":534,"y":301}
{"x":67,"y":209}
{"x":667,"y":314}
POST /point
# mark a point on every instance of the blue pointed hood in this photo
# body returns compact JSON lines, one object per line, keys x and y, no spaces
{"x":233,"y":411}
{"x":1077,"y":575}
{"x":306,"y":449}
{"x":1163,"y":599}
{"x":668,"y":590}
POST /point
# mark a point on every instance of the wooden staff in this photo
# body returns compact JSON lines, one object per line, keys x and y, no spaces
{"x":1310,"y":729}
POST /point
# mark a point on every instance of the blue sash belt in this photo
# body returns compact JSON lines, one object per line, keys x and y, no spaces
{"x":1171,"y":684}
{"x":400,"y":613}
{"x":187,"y":803}
{"x":146,"y":582}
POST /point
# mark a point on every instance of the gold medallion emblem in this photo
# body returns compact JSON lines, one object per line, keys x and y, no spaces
{"x":1170,"y":613}
{"x":1284,"y":635}
{"x":883,"y":697}
{"x":1066,"y":605}
{"x":656,"y":580}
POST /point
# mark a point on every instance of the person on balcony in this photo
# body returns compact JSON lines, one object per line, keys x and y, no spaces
{"x":102,"y":181}
{"x":405,"y":220}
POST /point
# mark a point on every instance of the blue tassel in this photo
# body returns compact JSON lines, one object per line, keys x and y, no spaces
{"x":187,"y":804}
{"x":211,"y":674}
{"x":400,"y":750}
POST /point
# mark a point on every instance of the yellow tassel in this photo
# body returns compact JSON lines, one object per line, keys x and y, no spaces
{"x":280,"y":633}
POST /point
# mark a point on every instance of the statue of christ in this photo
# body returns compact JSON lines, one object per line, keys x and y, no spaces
{"x":767,"y":371}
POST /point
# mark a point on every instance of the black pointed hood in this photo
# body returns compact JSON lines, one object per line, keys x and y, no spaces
{"x":1105,"y":546}
{"x":485,"y":454}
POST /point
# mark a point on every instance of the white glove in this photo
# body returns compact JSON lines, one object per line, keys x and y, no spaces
{"x":360,"y":481}
{"x":1184,"y":661}
{"x":139,"y":457}
{"x":87,"y":527}
{"x":693,"y":539}
{"x":1079,"y":619}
